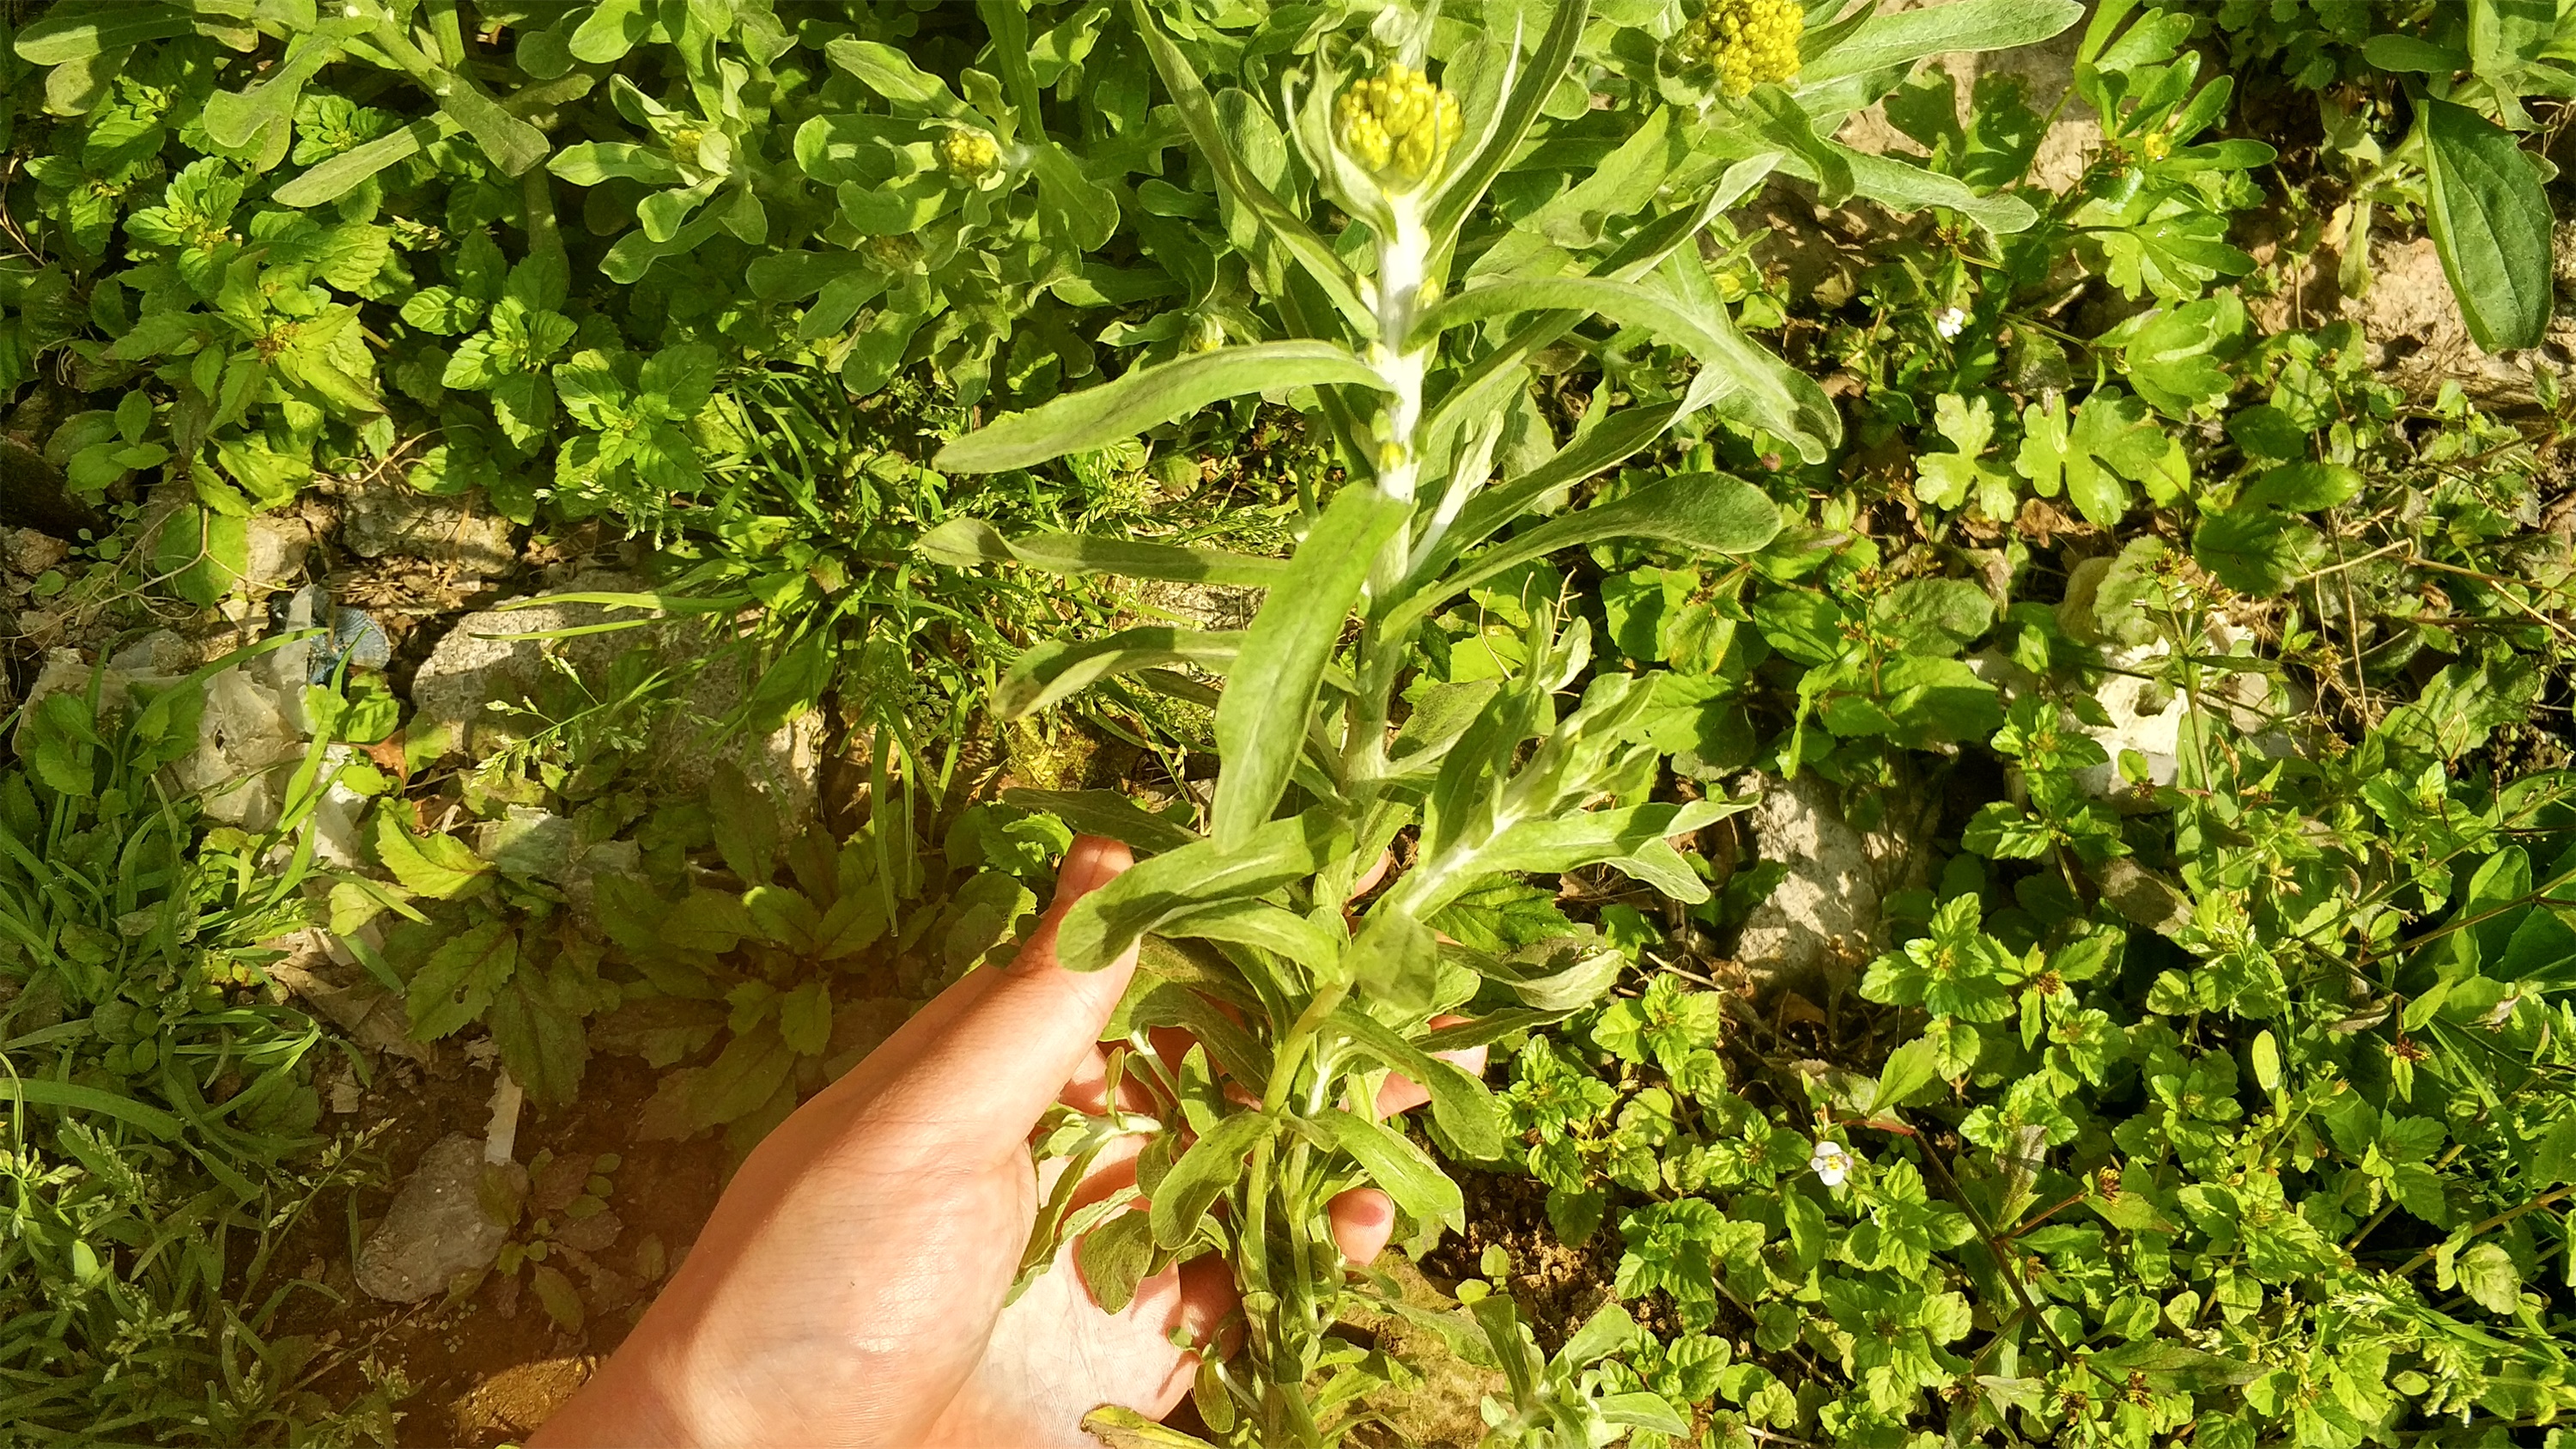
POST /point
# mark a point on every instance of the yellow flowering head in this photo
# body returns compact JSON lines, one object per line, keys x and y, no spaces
{"x":1748,"y":42}
{"x":2155,"y":145}
{"x":894,"y":253}
{"x":969,"y":154}
{"x":1399,"y":126}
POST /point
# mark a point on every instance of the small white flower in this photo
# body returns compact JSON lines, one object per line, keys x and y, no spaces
{"x":1950,"y":323}
{"x":1832,"y":1163}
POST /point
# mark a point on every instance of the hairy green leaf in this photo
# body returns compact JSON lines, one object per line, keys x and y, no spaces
{"x":1055,"y":670}
{"x":1148,"y":397}
{"x":1203,"y":1174}
{"x":1109,"y":920}
{"x":965,"y":542}
{"x":1394,"y":1163}
{"x":1902,"y":37}
{"x":2491,"y":224}
{"x":1261,"y":721}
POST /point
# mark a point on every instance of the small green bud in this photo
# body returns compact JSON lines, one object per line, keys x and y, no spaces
{"x":1399,"y":126}
{"x":1748,"y":42}
{"x":968,"y":154}
{"x":894,"y":253}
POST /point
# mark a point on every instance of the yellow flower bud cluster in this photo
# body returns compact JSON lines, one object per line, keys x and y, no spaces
{"x":894,"y":253}
{"x":1399,"y":126}
{"x":969,"y":154}
{"x":1748,"y":41}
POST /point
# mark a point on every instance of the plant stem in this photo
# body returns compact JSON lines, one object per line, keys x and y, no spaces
{"x":1292,"y":1051}
{"x":2499,"y":1220}
{"x":1282,"y":1329}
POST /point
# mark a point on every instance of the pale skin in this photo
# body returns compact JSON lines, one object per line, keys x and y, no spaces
{"x":849,"y":1287}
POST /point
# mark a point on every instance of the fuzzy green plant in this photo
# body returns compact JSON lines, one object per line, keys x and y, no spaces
{"x":1415,"y":349}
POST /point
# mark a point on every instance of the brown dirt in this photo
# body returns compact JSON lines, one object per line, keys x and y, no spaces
{"x":1439,"y":1409}
{"x":490,"y":1368}
{"x":1557,"y":1287}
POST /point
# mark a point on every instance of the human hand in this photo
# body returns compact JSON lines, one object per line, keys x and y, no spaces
{"x":849,"y":1287}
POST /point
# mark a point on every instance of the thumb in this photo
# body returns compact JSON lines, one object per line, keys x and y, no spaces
{"x":991,"y":1070}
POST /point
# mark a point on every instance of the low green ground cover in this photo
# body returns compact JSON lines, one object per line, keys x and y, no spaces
{"x":1487,"y":407}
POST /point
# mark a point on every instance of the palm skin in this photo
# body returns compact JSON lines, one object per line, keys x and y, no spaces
{"x":849,"y":1288}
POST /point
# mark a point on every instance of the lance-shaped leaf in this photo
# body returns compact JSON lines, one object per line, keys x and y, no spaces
{"x":589,"y":163}
{"x":1494,"y":1026}
{"x":1467,"y":182}
{"x":1911,"y":188}
{"x":1755,"y":389}
{"x":235,"y":118}
{"x":1459,"y":1103}
{"x":1395,"y":961}
{"x":75,"y":32}
{"x":1270,"y":696}
{"x":1600,"y":450}
{"x":1203,"y":1174}
{"x":1108,"y":814}
{"x":2491,"y":225}
{"x":16,"y":1092}
{"x":1633,"y":841}
{"x":1486,"y":381}
{"x":1198,"y":116}
{"x":512,"y":144}
{"x":340,"y":175}
{"x":1644,"y":1409}
{"x":1106,"y":922}
{"x":890,"y":73}
{"x":1055,"y":670}
{"x":1252,"y":923}
{"x":332,"y":179}
{"x":1236,"y":1050}
{"x":1147,"y":396}
{"x":1392,"y":1162}
{"x":1123,"y":1428}
{"x":1902,"y":37}
{"x":965,"y":542}
{"x":1703,"y":512}
{"x":1742,"y":379}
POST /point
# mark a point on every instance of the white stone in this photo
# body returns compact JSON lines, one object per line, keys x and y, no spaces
{"x":1823,"y":918}
{"x":487,"y":657}
{"x":32,"y":551}
{"x":276,"y":546}
{"x":436,"y":1229}
{"x":389,"y":518}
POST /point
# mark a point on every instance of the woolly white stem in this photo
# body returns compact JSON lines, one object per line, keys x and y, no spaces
{"x":1403,"y":260}
{"x":1467,"y":474}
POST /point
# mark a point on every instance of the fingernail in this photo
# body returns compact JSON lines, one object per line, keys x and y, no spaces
{"x":1088,"y":865}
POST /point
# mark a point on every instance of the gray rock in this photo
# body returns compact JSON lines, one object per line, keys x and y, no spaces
{"x":487,"y":658}
{"x":157,"y":657}
{"x":322,"y":973}
{"x":276,"y":546}
{"x":34,"y":495}
{"x":1823,"y":920}
{"x":380,"y":519}
{"x":32,"y":551}
{"x":436,"y":1229}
